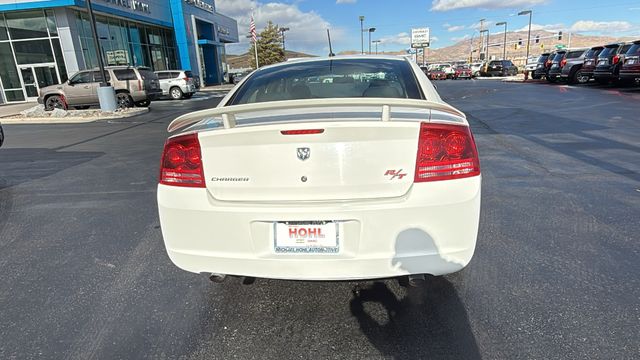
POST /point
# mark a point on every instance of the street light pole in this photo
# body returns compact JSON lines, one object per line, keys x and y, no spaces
{"x":370,"y":31}
{"x":481,"y":48}
{"x":376,"y":42}
{"x":106,"y":94}
{"x":361,"y":34}
{"x":504,"y":45}
{"x":527,"y":12}
{"x":282,"y":30}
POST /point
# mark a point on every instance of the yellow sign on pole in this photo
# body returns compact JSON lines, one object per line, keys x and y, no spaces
{"x":541,"y":46}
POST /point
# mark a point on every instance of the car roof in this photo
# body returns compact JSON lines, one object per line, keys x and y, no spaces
{"x":339,"y":57}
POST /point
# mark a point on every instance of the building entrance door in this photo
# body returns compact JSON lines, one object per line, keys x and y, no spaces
{"x":35,"y":77}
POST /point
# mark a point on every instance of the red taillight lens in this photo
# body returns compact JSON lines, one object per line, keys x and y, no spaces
{"x":563,"y":62}
{"x":446,"y":152}
{"x":302,"y":132}
{"x":182,"y":162}
{"x":616,"y":59}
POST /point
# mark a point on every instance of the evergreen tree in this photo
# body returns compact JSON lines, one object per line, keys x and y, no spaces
{"x":269,"y":47}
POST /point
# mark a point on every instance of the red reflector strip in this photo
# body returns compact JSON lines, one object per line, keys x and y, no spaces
{"x":302,"y":132}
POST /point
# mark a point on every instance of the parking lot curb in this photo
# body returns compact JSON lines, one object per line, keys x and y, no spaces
{"x":73,"y":119}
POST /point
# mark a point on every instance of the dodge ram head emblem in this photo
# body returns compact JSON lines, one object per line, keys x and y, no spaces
{"x":304,"y":153}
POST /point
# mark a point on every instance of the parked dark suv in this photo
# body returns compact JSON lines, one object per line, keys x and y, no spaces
{"x":541,"y":69}
{"x":572,"y":66}
{"x":501,"y":68}
{"x":590,"y":60}
{"x":609,"y":62}
{"x":630,"y":70}
{"x":555,"y":68}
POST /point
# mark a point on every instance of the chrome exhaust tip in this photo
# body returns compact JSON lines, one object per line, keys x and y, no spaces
{"x":217,"y":278}
{"x":416,"y":280}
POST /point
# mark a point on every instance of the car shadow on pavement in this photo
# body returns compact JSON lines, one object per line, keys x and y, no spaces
{"x":427,"y":322}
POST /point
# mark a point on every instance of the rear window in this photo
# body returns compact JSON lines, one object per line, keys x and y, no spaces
{"x":559,"y":56}
{"x":147,"y":74}
{"x":591,"y":53}
{"x":125,"y":74}
{"x":543,"y":58}
{"x":341,"y":78}
{"x":625,"y":49}
{"x":608,"y":51}
{"x":574,"y":54}
{"x":188,"y":74}
{"x":494,"y":63}
{"x":634,"y":50}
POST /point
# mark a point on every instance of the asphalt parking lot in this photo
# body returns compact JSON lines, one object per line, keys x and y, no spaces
{"x":555,"y":274}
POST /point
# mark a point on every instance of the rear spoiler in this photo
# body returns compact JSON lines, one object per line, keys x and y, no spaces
{"x":228,"y":113}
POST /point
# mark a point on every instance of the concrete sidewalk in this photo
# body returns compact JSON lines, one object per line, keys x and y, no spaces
{"x":15,"y":109}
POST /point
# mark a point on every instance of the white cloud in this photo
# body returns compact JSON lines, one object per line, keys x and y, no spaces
{"x":402,"y":38}
{"x":454,"y":28}
{"x":460,"y":38}
{"x":547,"y":27}
{"x":447,"y":5}
{"x":346,"y":1}
{"x":601,"y":26}
{"x":486,"y":25}
{"x":307,"y":29}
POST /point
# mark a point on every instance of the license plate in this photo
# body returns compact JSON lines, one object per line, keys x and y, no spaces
{"x":602,"y":62}
{"x":631,"y":61}
{"x":306,"y":237}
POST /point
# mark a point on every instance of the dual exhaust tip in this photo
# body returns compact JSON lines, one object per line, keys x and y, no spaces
{"x":415,"y":280}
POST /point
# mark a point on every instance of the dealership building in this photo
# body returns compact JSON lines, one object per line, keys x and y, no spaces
{"x":43,"y":42}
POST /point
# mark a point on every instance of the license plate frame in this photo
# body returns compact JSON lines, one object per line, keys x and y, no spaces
{"x":284,"y":243}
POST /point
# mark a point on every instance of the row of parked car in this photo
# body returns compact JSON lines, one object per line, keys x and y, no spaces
{"x":612,"y":63}
{"x":468,"y":71}
{"x":133,"y":86}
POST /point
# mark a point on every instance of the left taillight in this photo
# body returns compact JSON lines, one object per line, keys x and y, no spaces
{"x":181,"y":163}
{"x":563,"y":62}
{"x":446,"y":152}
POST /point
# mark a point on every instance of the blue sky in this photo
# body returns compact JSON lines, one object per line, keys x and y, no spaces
{"x":450,"y":20}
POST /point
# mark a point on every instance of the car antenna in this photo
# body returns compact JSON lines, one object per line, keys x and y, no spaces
{"x":331,"y":54}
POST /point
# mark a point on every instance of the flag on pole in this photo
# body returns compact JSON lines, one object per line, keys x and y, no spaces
{"x":252,"y":30}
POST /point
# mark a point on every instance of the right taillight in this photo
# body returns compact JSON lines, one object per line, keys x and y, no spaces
{"x":445,"y":152}
{"x":181,"y":163}
{"x":616,"y":59}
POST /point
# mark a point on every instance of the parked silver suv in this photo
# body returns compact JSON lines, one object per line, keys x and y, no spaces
{"x":177,"y":84}
{"x":132,"y":85}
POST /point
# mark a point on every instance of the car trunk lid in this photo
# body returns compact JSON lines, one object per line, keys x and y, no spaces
{"x":342,"y":159}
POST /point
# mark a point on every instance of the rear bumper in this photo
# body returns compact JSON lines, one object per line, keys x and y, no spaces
{"x":431,"y":230}
{"x":626,"y":75}
{"x":604,"y":75}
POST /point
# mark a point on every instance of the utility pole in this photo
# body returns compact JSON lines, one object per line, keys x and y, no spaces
{"x":282,"y":30}
{"x":376,"y":42}
{"x":361,"y":34}
{"x":106,"y":94}
{"x":481,"y":48}
{"x":504,"y":45}
{"x":527,"y":12}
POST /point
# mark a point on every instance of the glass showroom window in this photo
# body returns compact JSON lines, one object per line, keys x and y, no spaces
{"x":127,"y":43}
{"x":30,"y":53}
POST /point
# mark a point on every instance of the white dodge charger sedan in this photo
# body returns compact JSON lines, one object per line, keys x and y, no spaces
{"x":322,"y":169}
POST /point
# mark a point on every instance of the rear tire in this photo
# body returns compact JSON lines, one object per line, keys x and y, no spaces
{"x":55,"y":102}
{"x":578,"y":78}
{"x":123,"y":100}
{"x":536,"y":77}
{"x":83,"y":107}
{"x":175,"y":93}
{"x":551,"y":79}
{"x":188,"y":96}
